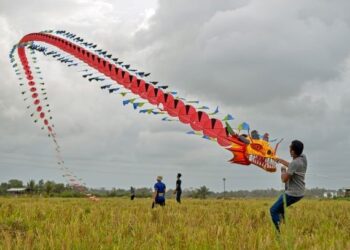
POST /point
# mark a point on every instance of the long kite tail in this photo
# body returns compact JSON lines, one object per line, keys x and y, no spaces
{"x":98,"y":59}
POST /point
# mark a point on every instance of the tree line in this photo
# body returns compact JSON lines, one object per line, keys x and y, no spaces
{"x":53,"y":189}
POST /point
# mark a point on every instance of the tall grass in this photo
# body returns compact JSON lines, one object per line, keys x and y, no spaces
{"x":57,"y":223}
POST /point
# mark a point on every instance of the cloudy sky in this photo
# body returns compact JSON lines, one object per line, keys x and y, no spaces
{"x":281,"y":66}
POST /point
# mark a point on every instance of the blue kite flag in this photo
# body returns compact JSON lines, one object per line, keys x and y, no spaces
{"x":167,"y":119}
{"x":129,"y":101}
{"x":157,"y":112}
{"x":243,"y":126}
{"x":216,"y":111}
{"x":138,"y":104}
{"x":228,"y":118}
{"x":143,"y":111}
{"x":125,"y":102}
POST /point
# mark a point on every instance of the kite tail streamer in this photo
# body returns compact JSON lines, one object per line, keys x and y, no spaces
{"x":40,"y":110}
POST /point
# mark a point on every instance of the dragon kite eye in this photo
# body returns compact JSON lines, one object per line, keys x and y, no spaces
{"x":269,"y":152}
{"x":256,"y":146}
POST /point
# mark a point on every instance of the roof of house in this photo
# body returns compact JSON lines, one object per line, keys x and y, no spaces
{"x":16,"y":189}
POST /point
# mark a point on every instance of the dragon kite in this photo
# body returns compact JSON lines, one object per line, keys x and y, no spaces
{"x":118,"y":77}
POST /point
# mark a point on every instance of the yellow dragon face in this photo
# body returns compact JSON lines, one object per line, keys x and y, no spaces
{"x":253,"y":151}
{"x":261,"y":154}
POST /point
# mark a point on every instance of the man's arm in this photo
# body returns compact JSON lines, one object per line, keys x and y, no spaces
{"x":284,"y":175}
{"x":154,"y":195}
{"x":283,"y":162}
{"x":177,"y":188}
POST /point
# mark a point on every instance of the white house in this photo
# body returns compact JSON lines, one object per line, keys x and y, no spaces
{"x":21,"y":190}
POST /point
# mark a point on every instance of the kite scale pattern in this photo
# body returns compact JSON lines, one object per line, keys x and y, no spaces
{"x":118,"y":77}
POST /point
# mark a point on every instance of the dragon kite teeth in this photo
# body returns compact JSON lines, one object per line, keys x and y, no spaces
{"x":117,"y":77}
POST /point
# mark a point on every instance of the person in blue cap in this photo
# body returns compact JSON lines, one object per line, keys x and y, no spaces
{"x":159,"y":192}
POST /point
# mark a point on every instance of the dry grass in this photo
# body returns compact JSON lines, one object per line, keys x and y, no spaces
{"x":39,"y":223}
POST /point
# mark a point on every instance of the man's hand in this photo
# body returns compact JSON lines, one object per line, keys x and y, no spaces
{"x":281,"y":161}
{"x":283,"y":169}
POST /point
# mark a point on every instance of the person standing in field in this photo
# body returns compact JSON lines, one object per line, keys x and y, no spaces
{"x":132,"y":193}
{"x":159,"y":192}
{"x":178,"y":190}
{"x":293,"y":175}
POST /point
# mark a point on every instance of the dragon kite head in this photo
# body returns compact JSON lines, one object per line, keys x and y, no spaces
{"x":247,"y":150}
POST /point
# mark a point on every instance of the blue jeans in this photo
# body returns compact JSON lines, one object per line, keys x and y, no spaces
{"x":277,"y":209}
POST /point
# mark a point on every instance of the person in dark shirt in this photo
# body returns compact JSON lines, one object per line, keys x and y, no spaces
{"x":132,"y":193}
{"x":159,"y":192}
{"x":178,"y":190}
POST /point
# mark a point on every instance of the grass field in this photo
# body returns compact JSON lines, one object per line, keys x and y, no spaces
{"x":57,"y":223}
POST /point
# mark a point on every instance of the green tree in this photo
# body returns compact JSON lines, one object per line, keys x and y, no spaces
{"x":58,"y":188}
{"x":15,"y":183}
{"x":202,"y":192}
{"x":3,"y":187}
{"x":48,"y":187}
{"x":112,"y":193}
{"x":41,"y":186}
{"x":144,"y":192}
{"x":32,"y":186}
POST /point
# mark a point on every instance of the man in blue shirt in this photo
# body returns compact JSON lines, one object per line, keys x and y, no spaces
{"x":159,"y":192}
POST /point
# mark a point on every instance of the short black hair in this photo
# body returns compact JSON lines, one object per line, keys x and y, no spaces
{"x":179,"y":175}
{"x":297,"y":147}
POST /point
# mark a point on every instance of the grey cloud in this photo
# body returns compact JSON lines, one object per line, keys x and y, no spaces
{"x":281,"y":66}
{"x":267,"y":48}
